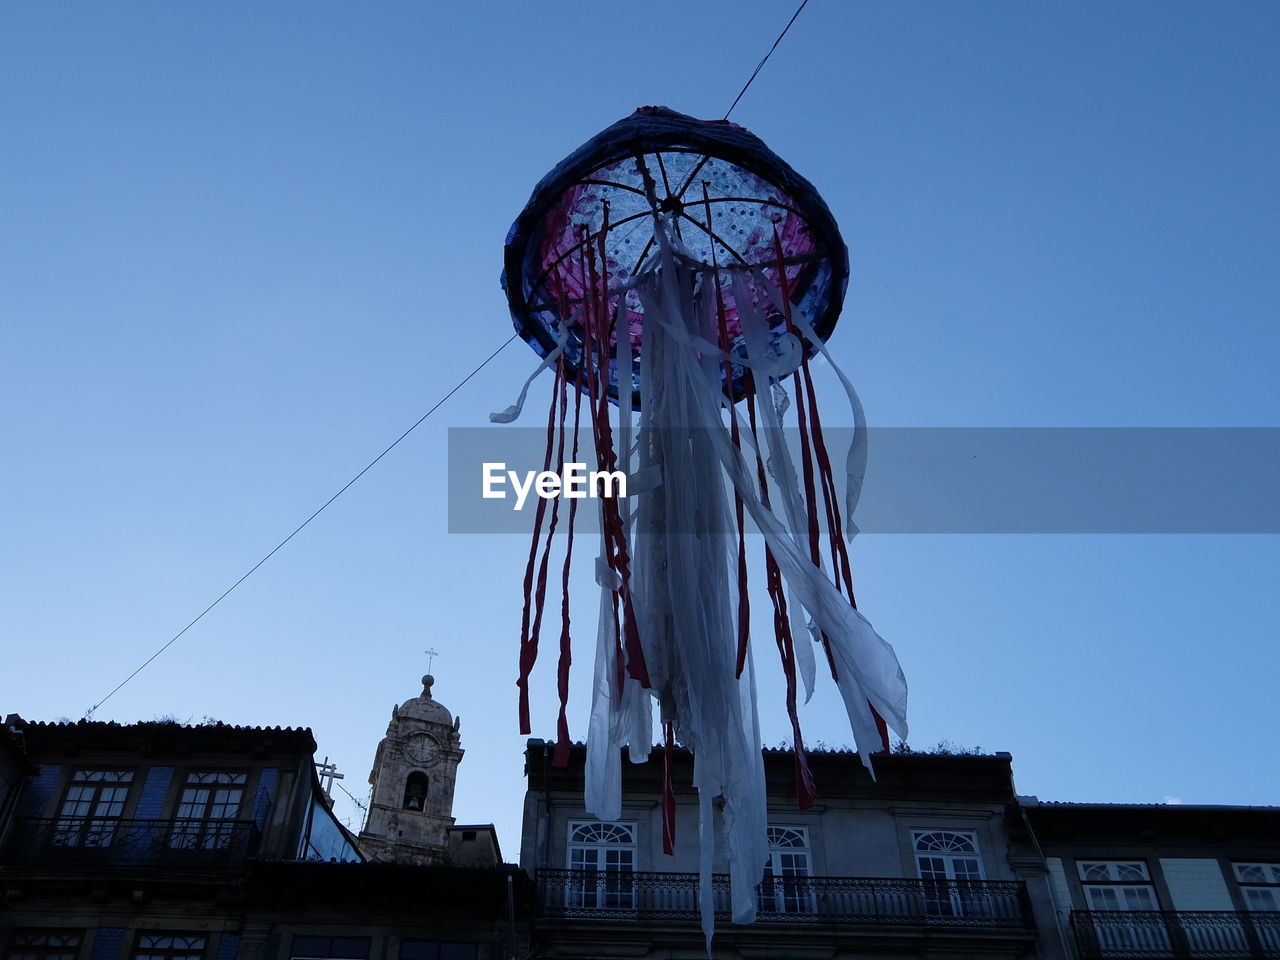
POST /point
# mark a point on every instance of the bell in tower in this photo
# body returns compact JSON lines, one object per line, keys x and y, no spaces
{"x":413,"y":777}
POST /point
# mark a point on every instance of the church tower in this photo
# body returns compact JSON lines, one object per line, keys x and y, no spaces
{"x":413,"y":777}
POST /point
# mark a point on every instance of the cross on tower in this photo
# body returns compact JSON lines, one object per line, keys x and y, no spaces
{"x":328,"y":772}
{"x":431,"y":655}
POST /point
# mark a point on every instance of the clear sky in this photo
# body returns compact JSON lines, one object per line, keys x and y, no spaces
{"x":244,"y":246}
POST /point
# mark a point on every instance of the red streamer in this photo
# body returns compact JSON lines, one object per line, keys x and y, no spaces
{"x":841,"y":570}
{"x":563,"y":742}
{"x":528,"y":637}
{"x":806,"y":792}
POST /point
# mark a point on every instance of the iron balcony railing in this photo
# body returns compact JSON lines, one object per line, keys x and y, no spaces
{"x":106,"y":842}
{"x":1159,"y":935}
{"x":851,"y":900}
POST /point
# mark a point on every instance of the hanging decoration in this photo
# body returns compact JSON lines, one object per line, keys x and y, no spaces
{"x":678,"y":278}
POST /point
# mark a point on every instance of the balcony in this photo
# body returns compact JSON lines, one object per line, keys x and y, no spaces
{"x":81,"y":842}
{"x":872,"y":901}
{"x":1160,"y":935}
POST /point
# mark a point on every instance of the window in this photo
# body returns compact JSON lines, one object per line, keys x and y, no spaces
{"x":948,"y":862}
{"x":415,"y":791}
{"x":207,"y":809}
{"x":1123,"y":886}
{"x":785,"y":888}
{"x":92,"y":808}
{"x":606,"y":853}
{"x":170,"y":946}
{"x":947,"y":855}
{"x":44,"y":945}
{"x":1260,"y":884}
{"x":432,"y":950}
{"x":330,"y":948}
{"x":1117,"y":885}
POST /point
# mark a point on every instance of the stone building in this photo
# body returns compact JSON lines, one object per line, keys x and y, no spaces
{"x":938,"y":858}
{"x":159,"y":841}
{"x":930,"y":860}
{"x":415,"y":769}
{"x":1162,"y":880}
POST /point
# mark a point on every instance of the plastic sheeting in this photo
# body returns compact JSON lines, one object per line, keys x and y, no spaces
{"x":682,"y":266}
{"x":596,"y":197}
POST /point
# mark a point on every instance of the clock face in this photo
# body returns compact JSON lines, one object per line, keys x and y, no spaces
{"x":422,"y":749}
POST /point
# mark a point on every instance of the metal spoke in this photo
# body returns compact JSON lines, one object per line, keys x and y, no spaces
{"x":580,"y":244}
{"x":666,"y":184}
{"x":765,"y":203}
{"x":724,"y":243}
{"x":662,"y":168}
{"x":693,"y":173}
{"x":611,"y":183}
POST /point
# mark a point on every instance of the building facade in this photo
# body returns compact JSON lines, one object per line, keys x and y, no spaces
{"x":159,"y":841}
{"x":937,"y":858}
{"x":410,"y":817}
{"x":1162,"y":880}
{"x":931,"y":859}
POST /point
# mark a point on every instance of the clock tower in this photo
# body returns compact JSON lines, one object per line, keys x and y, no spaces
{"x":413,"y":777}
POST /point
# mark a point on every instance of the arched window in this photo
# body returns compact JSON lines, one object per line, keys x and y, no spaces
{"x":606,"y":854}
{"x":1260,"y":884}
{"x":1124,"y":887}
{"x":597,"y":833}
{"x":415,"y":791}
{"x":945,"y":841}
{"x":949,"y":863}
{"x":786,"y":887}
{"x":947,"y":855}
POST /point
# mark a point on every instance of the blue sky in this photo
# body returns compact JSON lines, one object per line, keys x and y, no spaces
{"x":245,"y":246}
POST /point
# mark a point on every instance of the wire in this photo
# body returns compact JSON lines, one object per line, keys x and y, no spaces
{"x":299,"y":528}
{"x":760,"y":65}
{"x":177,"y":636}
{"x":353,"y":797}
